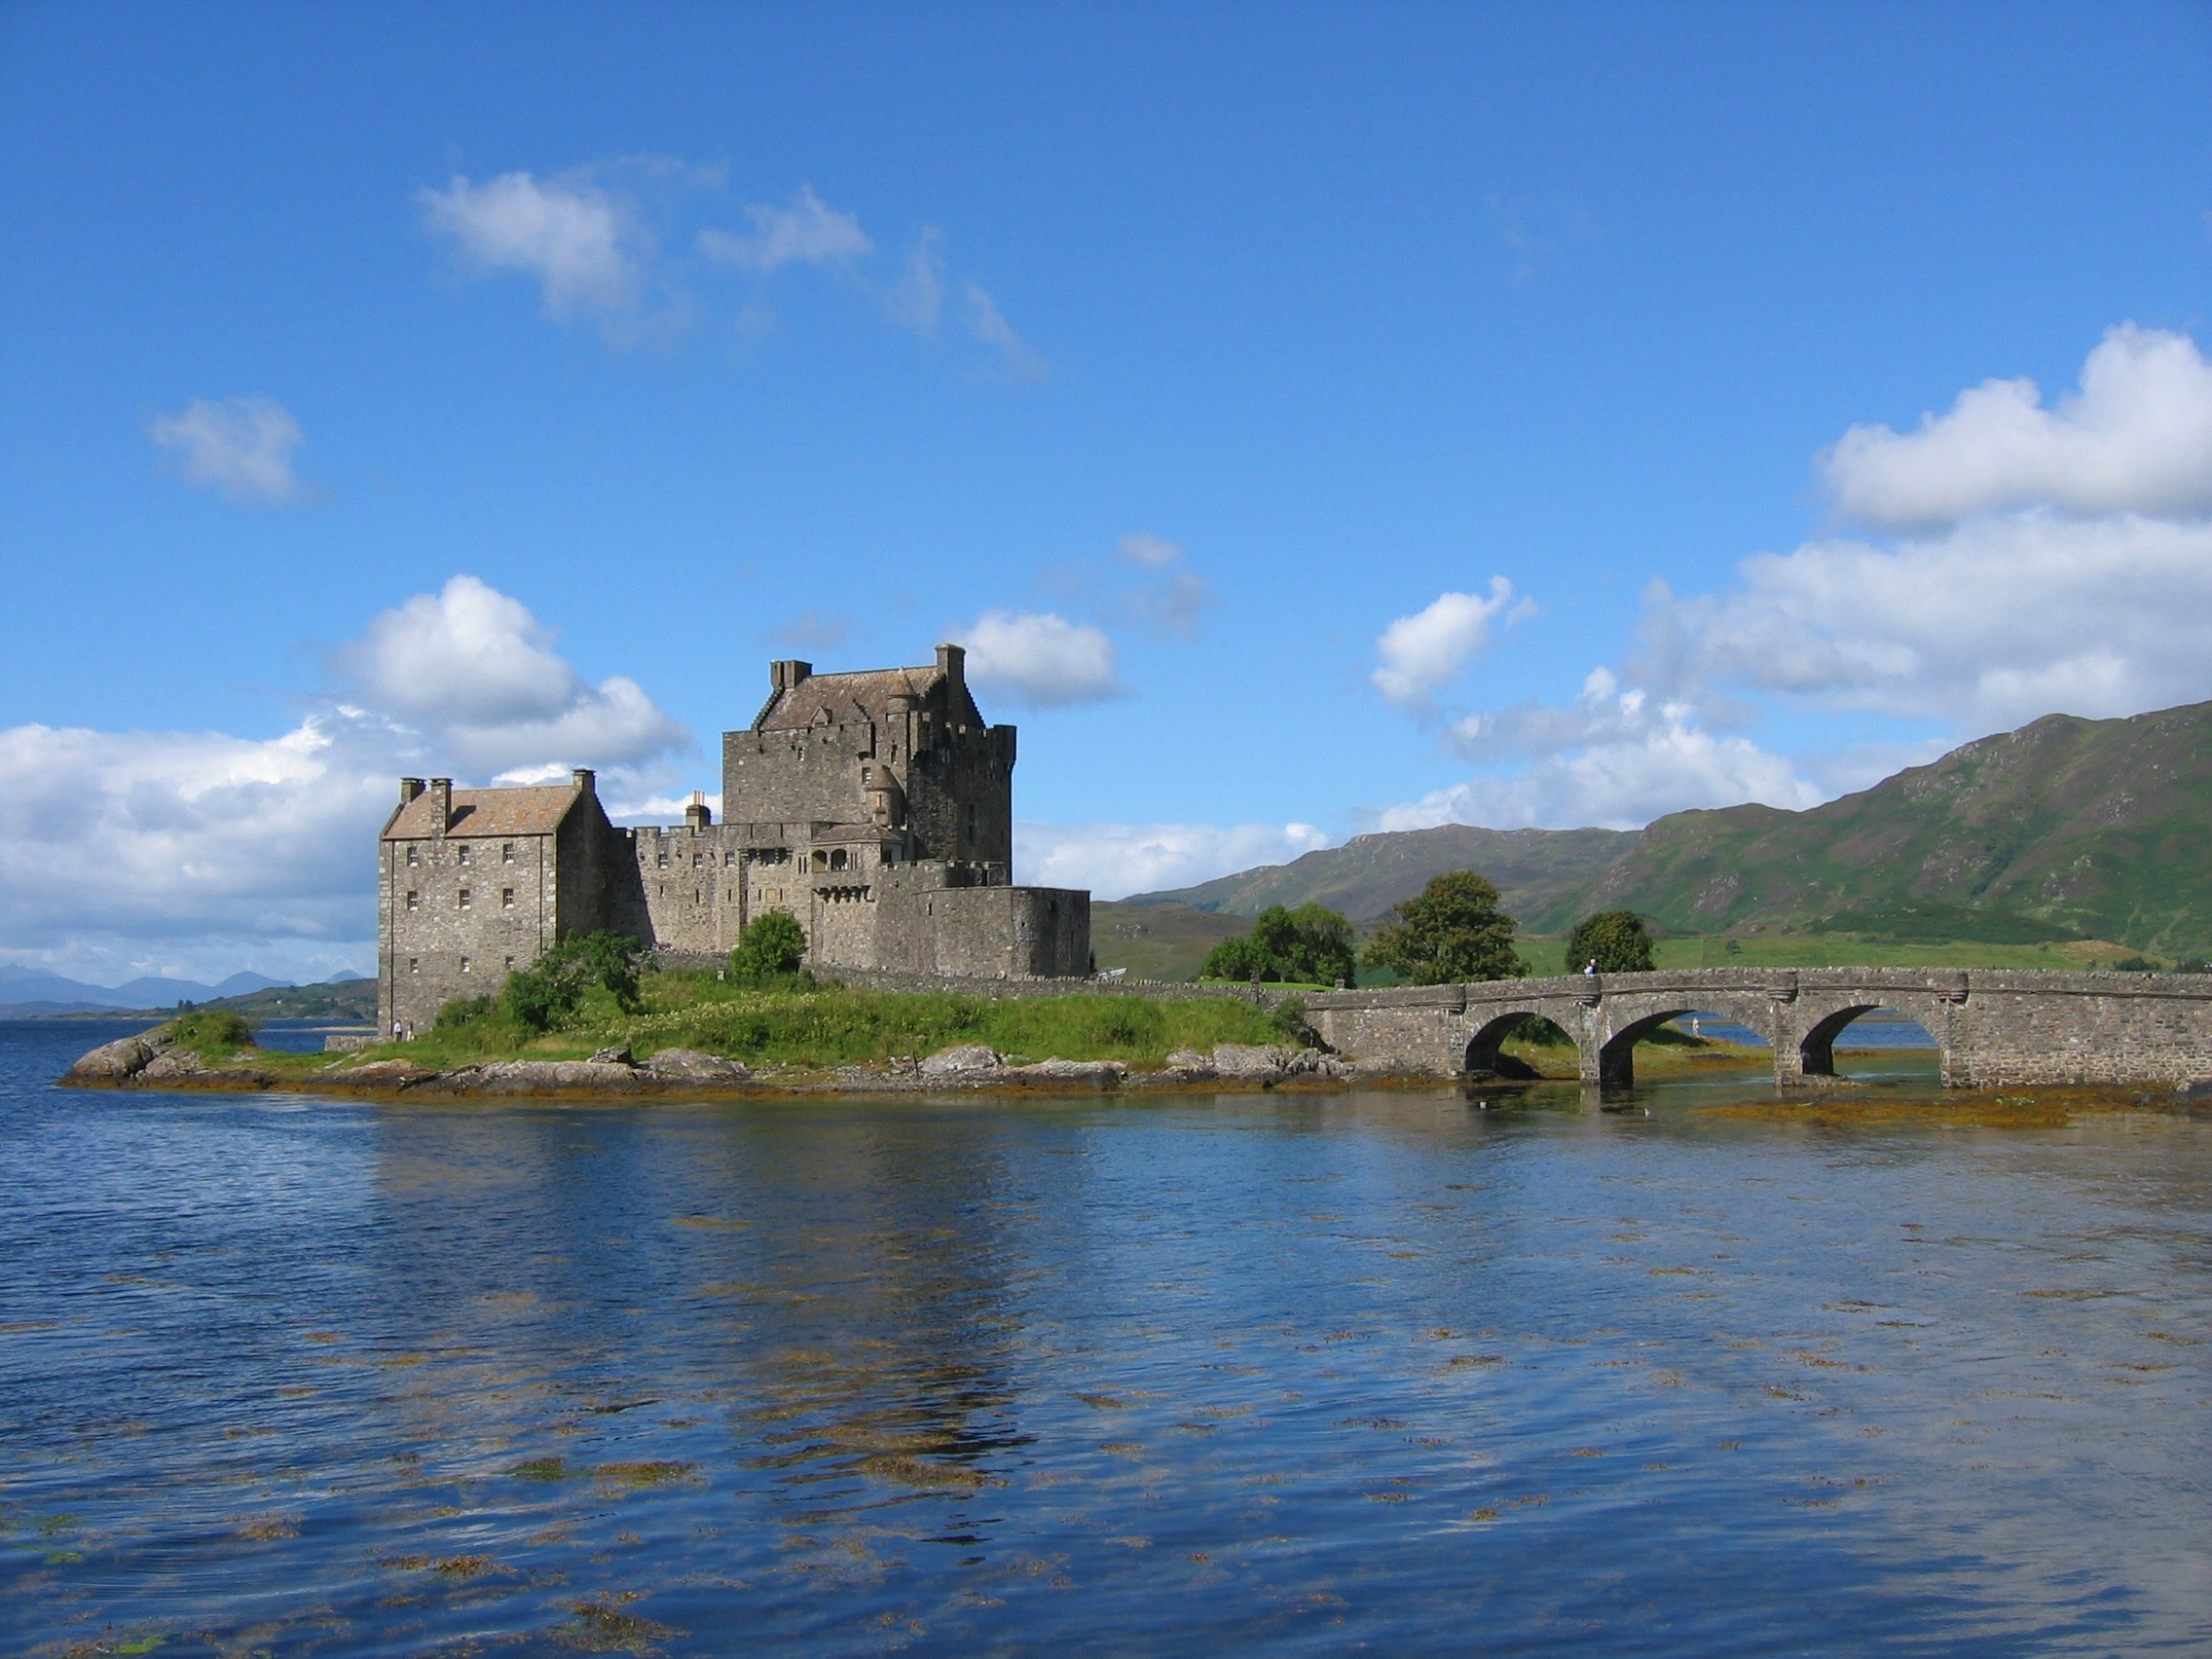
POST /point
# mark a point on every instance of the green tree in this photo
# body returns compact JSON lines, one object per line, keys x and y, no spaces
{"x":772,"y":943}
{"x":547,"y":993}
{"x":1453,"y":932}
{"x":1615,"y":939}
{"x":1309,"y":945}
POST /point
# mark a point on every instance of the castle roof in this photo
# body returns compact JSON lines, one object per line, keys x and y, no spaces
{"x":535,"y":810}
{"x":846,"y":698}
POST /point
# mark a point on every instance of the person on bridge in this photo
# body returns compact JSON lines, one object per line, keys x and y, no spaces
{"x":1591,"y":967}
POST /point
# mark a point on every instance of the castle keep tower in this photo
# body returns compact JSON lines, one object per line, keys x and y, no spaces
{"x":876,"y":808}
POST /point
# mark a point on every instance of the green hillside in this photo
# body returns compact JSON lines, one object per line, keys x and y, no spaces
{"x":2066,"y":829}
{"x":2022,"y":844}
{"x":1533,"y":870}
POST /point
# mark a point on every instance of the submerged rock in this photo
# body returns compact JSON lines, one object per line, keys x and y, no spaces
{"x":1094,"y":1074}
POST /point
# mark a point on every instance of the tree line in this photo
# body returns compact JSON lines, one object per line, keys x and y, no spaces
{"x":1448,"y":934}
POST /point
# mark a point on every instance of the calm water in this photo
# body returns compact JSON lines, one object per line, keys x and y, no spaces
{"x":1293,"y":1373}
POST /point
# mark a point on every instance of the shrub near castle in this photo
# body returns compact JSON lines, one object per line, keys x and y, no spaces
{"x":1311,"y":945}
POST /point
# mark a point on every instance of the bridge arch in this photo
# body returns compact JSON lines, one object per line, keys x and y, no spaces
{"x":1616,"y":1056}
{"x":1815,"y":1049}
{"x":1483,"y":1042}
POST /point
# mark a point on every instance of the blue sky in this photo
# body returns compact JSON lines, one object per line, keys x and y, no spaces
{"x":1294,"y":408}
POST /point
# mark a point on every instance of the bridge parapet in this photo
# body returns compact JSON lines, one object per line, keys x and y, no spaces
{"x":1994,"y":1026}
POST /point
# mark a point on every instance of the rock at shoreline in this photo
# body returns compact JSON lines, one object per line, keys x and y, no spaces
{"x":966,"y":1060}
{"x":117,"y":1061}
{"x":689,"y":1065}
{"x":541,"y":1077}
{"x":1094,"y":1074}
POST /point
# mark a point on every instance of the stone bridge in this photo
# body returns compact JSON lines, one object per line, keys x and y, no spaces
{"x":1995,"y":1026}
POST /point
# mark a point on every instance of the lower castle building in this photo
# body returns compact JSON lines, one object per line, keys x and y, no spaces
{"x":876,"y":808}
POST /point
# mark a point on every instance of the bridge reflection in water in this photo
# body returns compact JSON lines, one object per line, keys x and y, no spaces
{"x":1993,"y":1027}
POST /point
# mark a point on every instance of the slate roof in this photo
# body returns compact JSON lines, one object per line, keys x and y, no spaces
{"x":524,"y":811}
{"x":849,"y":697}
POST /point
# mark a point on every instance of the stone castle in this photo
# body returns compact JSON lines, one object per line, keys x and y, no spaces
{"x":876,"y":808}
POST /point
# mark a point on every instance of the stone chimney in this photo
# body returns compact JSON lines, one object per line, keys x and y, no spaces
{"x":441,"y":791}
{"x":585,"y":779}
{"x":789,"y":672}
{"x":409,"y":789}
{"x":698,"y":815}
{"x":952,"y":663}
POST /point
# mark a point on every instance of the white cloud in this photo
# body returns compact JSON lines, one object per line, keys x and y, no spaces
{"x":475,"y":668}
{"x":1423,"y":652}
{"x":130,"y":851}
{"x":2137,"y":437}
{"x":1151,"y":551}
{"x":566,"y":232}
{"x":1115,"y":860}
{"x":920,"y":294}
{"x":1632,"y":764}
{"x":808,"y":232}
{"x":1040,"y":658}
{"x":987,"y":323}
{"x":242,"y":446}
{"x":1991,"y":623}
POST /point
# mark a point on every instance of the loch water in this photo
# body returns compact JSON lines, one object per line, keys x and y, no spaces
{"x":1409,"y":1370}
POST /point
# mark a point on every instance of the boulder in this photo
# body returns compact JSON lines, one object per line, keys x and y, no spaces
{"x":114,"y":1063}
{"x":1190,"y":1061}
{"x":690,"y":1065}
{"x":965,"y":1061}
{"x":182,"y":1065}
{"x":1251,"y":1061}
{"x":377,"y":1074}
{"x":613,"y":1057}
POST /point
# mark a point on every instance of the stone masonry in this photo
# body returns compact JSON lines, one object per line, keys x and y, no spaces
{"x":876,"y":808}
{"x":1995,"y":1027}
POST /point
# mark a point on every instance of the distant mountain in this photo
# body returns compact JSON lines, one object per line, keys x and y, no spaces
{"x":1533,"y":869}
{"x":2066,"y":829}
{"x":20,"y":986}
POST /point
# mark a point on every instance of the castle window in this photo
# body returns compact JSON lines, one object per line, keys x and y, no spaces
{"x":663,"y":861}
{"x":464,"y":964}
{"x":464,"y":897}
{"x":414,"y":963}
{"x":510,"y":964}
{"x":414,"y":899}
{"x":506,"y":852}
{"x":411,"y":859}
{"x":698,"y":859}
{"x":460,"y":852}
{"x":728,"y":858}
{"x":836,"y":858}
{"x":506,"y":898}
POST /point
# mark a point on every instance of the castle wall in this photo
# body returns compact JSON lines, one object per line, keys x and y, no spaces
{"x":438,"y":949}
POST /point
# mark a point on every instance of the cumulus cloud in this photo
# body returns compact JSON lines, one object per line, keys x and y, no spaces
{"x":1115,"y":860}
{"x":1993,"y":622}
{"x":2136,"y":439}
{"x":566,"y":232}
{"x":1618,"y":762}
{"x":987,"y":323}
{"x":1153,"y":552}
{"x":242,"y":446}
{"x":1040,"y":659}
{"x":1425,"y":651}
{"x":2047,"y":561}
{"x":131,"y":852}
{"x":808,"y":232}
{"x":475,"y":666}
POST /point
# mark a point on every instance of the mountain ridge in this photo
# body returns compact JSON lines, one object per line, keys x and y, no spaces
{"x":2065,"y":828}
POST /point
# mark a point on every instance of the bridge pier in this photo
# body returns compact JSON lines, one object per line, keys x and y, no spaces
{"x":1994,"y":1027}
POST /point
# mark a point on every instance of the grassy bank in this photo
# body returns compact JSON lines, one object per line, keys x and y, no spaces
{"x":812,"y":1027}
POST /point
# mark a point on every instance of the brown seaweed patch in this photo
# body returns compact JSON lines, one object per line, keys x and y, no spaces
{"x":719,"y":1223}
{"x":541,"y":1469}
{"x":268,"y":1528}
{"x":2042,"y":1108}
{"x":925,"y":1473}
{"x":601,"y":1626}
{"x":637,"y":1477}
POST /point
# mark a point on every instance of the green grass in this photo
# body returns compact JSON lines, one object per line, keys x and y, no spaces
{"x":1842,"y":951}
{"x":816,"y":1026}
